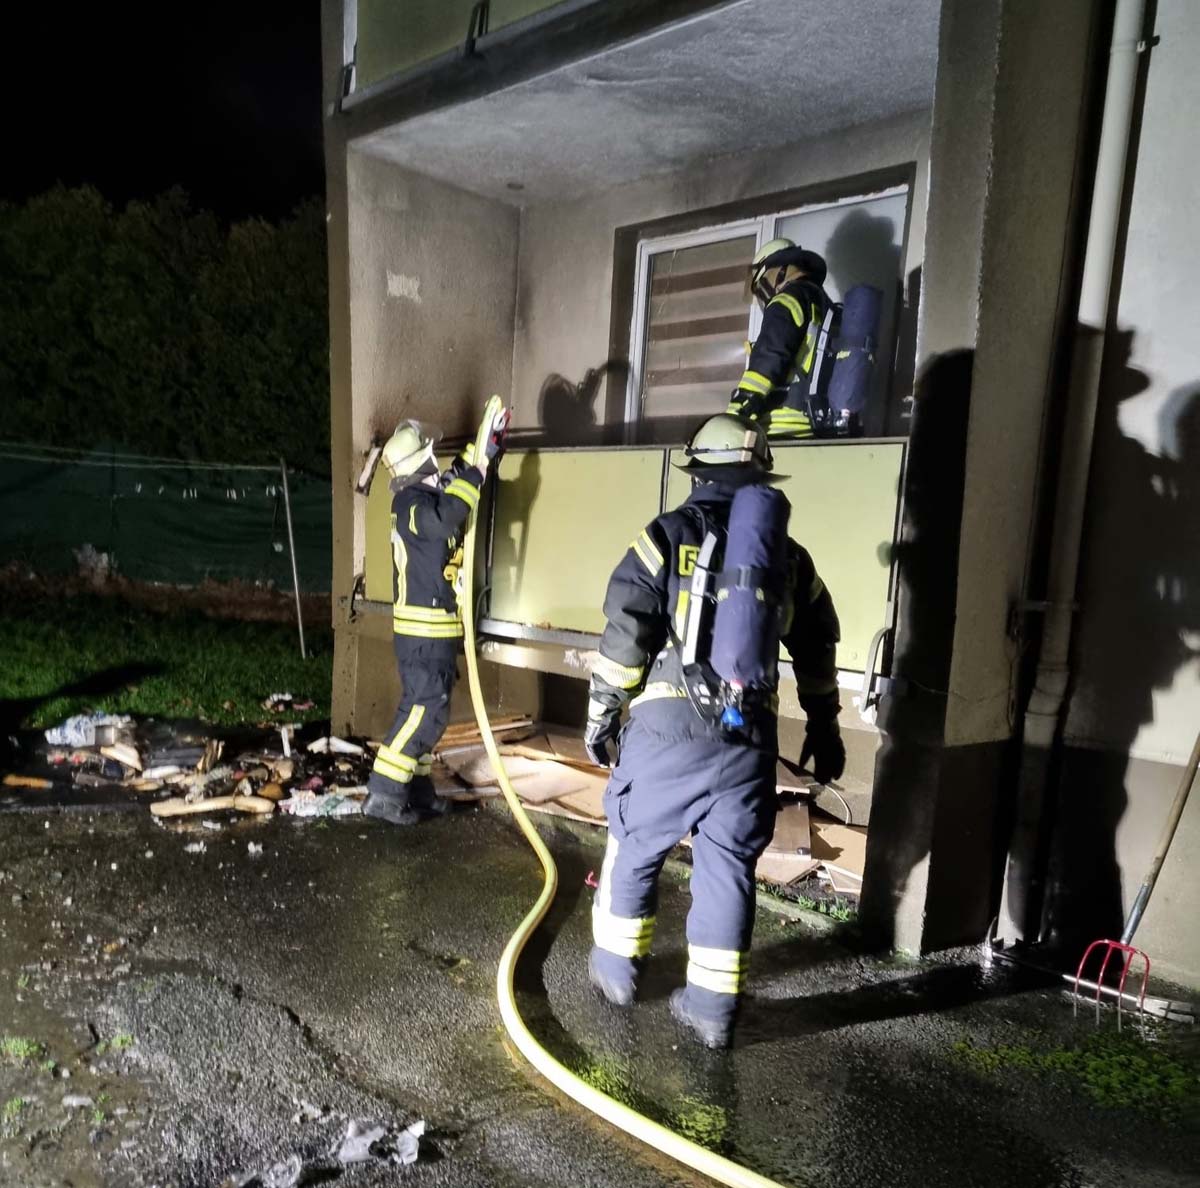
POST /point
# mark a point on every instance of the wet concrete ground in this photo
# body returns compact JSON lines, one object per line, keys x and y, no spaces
{"x":224,"y":1011}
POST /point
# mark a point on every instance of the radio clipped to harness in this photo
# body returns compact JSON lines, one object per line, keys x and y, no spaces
{"x":730,"y":644}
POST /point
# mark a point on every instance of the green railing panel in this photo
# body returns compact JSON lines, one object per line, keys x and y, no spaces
{"x":563,"y":521}
{"x":565,"y":517}
{"x":844,"y":499}
{"x":396,"y":35}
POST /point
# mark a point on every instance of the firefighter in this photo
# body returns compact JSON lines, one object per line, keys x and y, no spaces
{"x":428,"y":513}
{"x":680,"y":773}
{"x":786,"y":281}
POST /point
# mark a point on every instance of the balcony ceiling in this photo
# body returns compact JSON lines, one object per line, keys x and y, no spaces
{"x":747,"y":75}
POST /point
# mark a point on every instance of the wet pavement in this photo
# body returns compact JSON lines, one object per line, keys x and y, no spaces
{"x":224,"y":1011}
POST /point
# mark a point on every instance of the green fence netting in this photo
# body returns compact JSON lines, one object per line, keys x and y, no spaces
{"x":159,"y":520}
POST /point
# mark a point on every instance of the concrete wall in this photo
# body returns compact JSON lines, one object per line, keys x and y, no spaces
{"x":1136,"y":706}
{"x":566,"y":270}
{"x":994,"y":296}
{"x":429,"y":287}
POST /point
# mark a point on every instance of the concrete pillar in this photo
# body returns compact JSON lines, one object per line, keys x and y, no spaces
{"x":1012,"y":82}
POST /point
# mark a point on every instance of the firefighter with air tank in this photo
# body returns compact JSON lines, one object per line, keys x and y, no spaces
{"x":696,"y":611}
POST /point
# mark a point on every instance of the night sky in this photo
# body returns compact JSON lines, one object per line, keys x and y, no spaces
{"x":222,"y":98}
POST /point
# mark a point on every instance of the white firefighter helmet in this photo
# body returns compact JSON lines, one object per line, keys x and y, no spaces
{"x":407,"y":450}
{"x":725,"y":443}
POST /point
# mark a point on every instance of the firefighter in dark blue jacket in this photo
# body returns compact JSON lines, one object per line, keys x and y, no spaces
{"x":428,"y":513}
{"x":786,"y":281}
{"x":678,"y":773}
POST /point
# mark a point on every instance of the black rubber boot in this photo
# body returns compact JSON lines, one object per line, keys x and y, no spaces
{"x":619,"y":990}
{"x":713,"y":1032}
{"x":391,"y":809}
{"x":424,"y":798}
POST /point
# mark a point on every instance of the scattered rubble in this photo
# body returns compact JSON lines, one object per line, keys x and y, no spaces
{"x":88,"y":730}
{"x":362,"y":1143}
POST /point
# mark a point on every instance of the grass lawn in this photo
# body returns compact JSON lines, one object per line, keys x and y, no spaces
{"x":128,"y":660}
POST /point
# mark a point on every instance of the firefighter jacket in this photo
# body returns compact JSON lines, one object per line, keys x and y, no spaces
{"x":786,"y":346}
{"x":427,"y":526}
{"x":646,"y":607}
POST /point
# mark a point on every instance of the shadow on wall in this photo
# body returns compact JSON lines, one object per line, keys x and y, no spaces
{"x":516,"y":496}
{"x":912,"y":717}
{"x":1142,"y":558}
{"x":863,"y":251}
{"x":567,"y":411}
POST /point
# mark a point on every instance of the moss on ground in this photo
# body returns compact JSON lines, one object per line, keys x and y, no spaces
{"x":1138,"y":1068}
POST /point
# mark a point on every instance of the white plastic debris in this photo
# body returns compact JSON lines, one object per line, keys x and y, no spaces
{"x":80,"y":730}
{"x":334,"y":745}
{"x":356,"y":1146}
{"x":345,"y":802}
{"x":77,"y":1101}
{"x":408,"y":1143}
{"x":254,"y":847}
{"x":195,"y":847}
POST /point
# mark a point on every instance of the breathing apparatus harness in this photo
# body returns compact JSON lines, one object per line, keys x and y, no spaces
{"x":729,"y":641}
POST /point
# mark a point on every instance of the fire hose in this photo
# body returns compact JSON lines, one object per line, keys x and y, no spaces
{"x":707,"y":1162}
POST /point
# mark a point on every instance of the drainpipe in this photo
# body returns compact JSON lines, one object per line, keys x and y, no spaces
{"x":1048,"y":698}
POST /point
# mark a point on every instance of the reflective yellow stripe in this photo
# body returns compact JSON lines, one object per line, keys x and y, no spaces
{"x":681,"y":607}
{"x":810,"y":342}
{"x":651,"y":547}
{"x":658,"y":690}
{"x":427,"y":630}
{"x":620,"y":676}
{"x":402,"y":774}
{"x":625,"y":938}
{"x":791,"y":305}
{"x":621,"y":935}
{"x":646,"y":557}
{"x":400,"y":561}
{"x":722,"y":971}
{"x":412,"y":519}
{"x":428,"y":614}
{"x":464,"y":491}
{"x":394,"y":758}
{"x":407,"y":730}
{"x":755,"y":381}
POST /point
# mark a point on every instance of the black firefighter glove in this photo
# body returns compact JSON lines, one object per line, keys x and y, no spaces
{"x":823,"y":741}
{"x":747,"y":405}
{"x":603,"y":726}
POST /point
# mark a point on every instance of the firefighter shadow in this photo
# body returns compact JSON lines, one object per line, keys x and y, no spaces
{"x":514,"y":499}
{"x":912,"y":718}
{"x":15,"y":711}
{"x":567,"y":411}
{"x":949,"y":988}
{"x":574,"y":865}
{"x":1141,"y":580}
{"x":863,"y":251}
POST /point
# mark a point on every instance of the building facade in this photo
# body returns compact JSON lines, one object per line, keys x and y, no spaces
{"x":556,"y":202}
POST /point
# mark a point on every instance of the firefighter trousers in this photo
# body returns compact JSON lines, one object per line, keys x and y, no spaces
{"x":404,"y":760}
{"x":662,"y":790}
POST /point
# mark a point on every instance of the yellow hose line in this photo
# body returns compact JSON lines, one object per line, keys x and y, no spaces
{"x":724,"y":1171}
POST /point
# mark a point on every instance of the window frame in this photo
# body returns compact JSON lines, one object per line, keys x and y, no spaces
{"x":763,"y":227}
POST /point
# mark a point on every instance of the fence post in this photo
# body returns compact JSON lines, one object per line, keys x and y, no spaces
{"x":287,"y":509}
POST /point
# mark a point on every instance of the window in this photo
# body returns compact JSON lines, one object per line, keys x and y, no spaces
{"x":692,"y":316}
